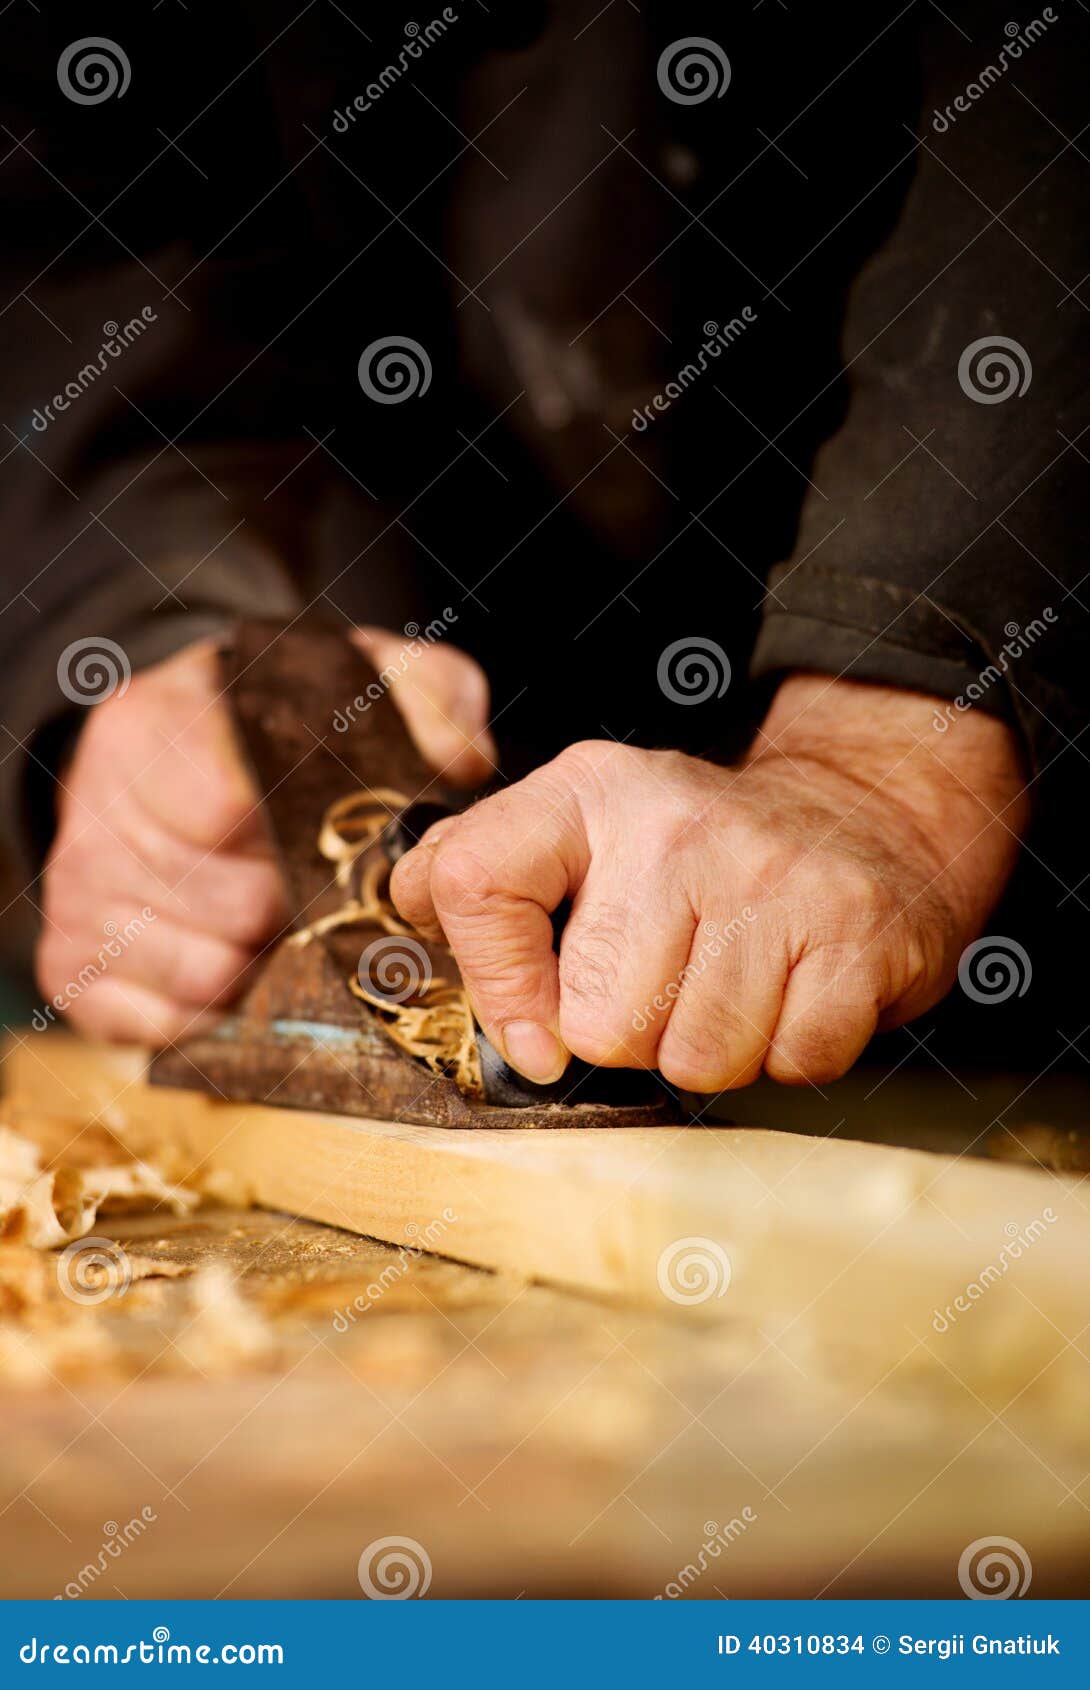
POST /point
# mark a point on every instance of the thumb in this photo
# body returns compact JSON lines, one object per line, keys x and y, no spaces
{"x":442,"y":694}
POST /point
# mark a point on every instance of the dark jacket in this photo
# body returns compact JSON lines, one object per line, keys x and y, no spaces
{"x":775,"y":342}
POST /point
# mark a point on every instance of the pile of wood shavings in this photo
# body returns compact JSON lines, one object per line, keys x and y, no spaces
{"x":66,"y":1312}
{"x":45,"y":1207}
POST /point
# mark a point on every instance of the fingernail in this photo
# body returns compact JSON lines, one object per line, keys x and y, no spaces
{"x":534,"y":1051}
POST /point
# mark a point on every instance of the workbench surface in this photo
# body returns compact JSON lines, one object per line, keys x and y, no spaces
{"x":528,"y":1440}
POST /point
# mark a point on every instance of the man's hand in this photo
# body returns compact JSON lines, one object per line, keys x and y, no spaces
{"x":725,"y":920}
{"x":157,"y":810}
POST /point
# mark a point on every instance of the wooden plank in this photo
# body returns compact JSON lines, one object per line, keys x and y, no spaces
{"x":808,"y":1239}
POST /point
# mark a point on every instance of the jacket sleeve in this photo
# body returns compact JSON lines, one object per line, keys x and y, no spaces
{"x":945,"y":549}
{"x":156,"y":480}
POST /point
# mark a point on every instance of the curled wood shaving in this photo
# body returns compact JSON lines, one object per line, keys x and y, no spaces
{"x":437,"y":1026}
{"x":351,"y":825}
{"x":439,"y":1029}
{"x":45,"y":1207}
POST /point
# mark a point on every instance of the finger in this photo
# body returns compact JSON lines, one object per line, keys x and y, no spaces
{"x":238,"y":896}
{"x":727,"y":1004}
{"x":184,"y":965}
{"x":443,"y":695}
{"x":241,"y":899}
{"x":829,"y":1015}
{"x":410,"y":881}
{"x":618,"y":954}
{"x":128,"y":1012}
{"x":494,"y":879}
{"x":189,"y":775}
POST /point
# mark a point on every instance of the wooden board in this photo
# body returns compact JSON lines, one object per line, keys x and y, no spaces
{"x":810,"y":1240}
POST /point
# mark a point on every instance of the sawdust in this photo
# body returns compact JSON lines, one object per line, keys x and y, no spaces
{"x":437,"y":1025}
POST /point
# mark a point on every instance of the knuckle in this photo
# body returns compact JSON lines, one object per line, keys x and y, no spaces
{"x":87,"y":1014}
{"x":460,"y":878}
{"x":591,"y":954}
{"x":256,"y":907}
{"x":694,"y":1057}
{"x":709,"y":1043}
{"x":203,"y":972}
{"x":589,"y":764}
{"x":503,"y":971}
{"x":806,"y":1056}
{"x":225,"y":805}
{"x":860,"y":896}
{"x":162,"y":1025}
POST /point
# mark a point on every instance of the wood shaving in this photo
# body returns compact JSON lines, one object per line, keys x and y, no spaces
{"x":222,"y":1330}
{"x":46,"y":1207}
{"x":45,"y":1336}
{"x":437,"y":1025}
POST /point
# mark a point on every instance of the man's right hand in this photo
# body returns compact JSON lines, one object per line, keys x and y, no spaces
{"x":157,"y":810}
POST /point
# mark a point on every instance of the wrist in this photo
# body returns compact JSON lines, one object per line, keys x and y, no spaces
{"x":963,"y":790}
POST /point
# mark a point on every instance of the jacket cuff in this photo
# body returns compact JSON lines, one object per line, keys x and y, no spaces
{"x":860,"y":628}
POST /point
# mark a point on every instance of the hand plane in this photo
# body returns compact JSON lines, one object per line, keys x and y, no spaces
{"x":320,"y":731}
